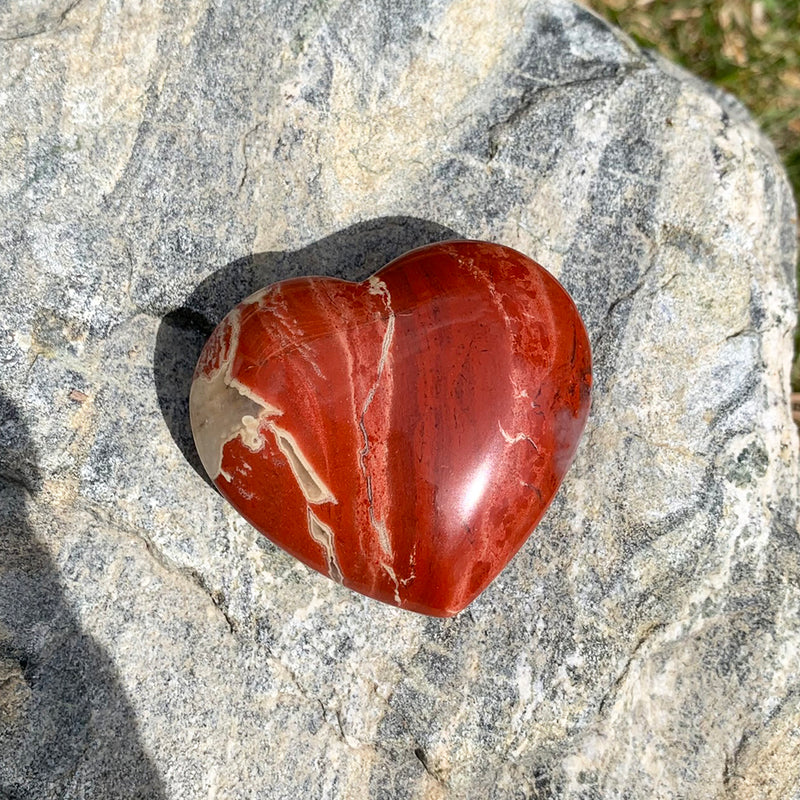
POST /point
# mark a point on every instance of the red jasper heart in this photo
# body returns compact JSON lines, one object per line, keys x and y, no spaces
{"x":403,"y":435}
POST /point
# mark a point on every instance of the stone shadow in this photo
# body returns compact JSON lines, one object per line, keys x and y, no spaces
{"x":352,"y":254}
{"x":66,"y":727}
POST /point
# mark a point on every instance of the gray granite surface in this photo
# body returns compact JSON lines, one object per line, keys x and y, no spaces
{"x":158,"y":162}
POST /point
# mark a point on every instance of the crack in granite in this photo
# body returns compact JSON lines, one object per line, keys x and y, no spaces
{"x":533,"y":94}
{"x":645,"y":638}
{"x":46,"y":29}
{"x":159,"y":557}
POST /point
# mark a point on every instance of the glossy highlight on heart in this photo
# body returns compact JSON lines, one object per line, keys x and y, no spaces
{"x":403,"y":435}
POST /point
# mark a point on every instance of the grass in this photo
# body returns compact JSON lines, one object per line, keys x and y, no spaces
{"x":749,"y":47}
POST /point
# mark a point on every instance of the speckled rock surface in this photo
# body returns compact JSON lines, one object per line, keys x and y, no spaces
{"x":158,"y":162}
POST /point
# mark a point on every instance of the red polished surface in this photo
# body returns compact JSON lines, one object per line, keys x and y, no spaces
{"x":403,"y":435}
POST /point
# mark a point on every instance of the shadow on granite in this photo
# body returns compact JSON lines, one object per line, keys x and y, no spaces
{"x":66,"y":727}
{"x":352,"y":254}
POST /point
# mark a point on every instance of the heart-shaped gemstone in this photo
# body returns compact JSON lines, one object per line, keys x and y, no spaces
{"x":403,"y":435}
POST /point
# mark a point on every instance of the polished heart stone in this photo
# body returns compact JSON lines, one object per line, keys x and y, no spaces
{"x":404,"y":435}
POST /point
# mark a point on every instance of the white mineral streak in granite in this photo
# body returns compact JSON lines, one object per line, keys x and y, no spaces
{"x":644,"y":644}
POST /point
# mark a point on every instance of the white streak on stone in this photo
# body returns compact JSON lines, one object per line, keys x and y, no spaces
{"x":311,"y":485}
{"x":377,"y":287}
{"x":520,"y":437}
{"x":391,"y":573}
{"x":323,"y":535}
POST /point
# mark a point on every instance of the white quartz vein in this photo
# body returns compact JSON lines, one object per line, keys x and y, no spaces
{"x":378,"y":287}
{"x":311,"y":485}
{"x":323,"y":535}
